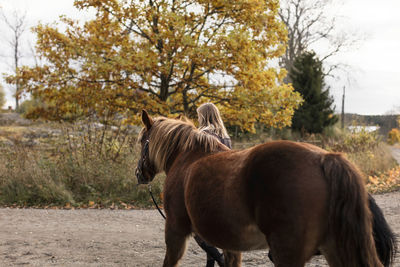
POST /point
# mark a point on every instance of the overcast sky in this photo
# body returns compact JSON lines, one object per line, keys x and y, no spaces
{"x":374,"y":72}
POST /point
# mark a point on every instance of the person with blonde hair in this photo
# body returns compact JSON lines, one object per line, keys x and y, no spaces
{"x":210,"y":121}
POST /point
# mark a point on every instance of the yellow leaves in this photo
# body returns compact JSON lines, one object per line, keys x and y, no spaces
{"x":388,"y":181}
{"x":373,"y":180}
{"x":273,"y":106}
{"x":394,"y":136}
{"x":167,"y":59}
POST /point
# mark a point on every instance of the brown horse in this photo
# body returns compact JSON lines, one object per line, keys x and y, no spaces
{"x":294,"y":198}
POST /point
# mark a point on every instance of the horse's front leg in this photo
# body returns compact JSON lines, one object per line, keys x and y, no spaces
{"x":176,"y":245}
{"x":232,"y":259}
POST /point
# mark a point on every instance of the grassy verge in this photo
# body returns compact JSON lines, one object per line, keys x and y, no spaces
{"x":84,"y":166}
{"x":81,"y":168}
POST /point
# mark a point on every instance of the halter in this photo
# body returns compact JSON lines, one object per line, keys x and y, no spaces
{"x":140,"y":176}
{"x":142,"y":161}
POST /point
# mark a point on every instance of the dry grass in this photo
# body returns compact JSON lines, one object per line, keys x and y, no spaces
{"x":366,"y":150}
{"x":86,"y":166}
{"x":81,"y":168}
{"x":12,"y":132}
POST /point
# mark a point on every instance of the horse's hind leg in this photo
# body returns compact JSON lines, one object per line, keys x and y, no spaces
{"x":176,"y":246}
{"x":232,"y":259}
{"x":330,"y":254}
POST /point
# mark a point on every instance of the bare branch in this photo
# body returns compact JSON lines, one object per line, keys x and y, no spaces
{"x":17,"y":27}
{"x":307,"y":23}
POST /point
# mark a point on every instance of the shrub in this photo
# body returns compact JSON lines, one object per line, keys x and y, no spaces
{"x":394,"y":136}
{"x":85,"y":165}
{"x":26,"y":178}
{"x":365,"y":149}
{"x":26,"y":106}
{"x":358,"y":140}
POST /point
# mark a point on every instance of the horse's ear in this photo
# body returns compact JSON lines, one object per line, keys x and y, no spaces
{"x":146,"y":119}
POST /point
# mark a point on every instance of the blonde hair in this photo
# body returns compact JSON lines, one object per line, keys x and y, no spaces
{"x":210,"y":120}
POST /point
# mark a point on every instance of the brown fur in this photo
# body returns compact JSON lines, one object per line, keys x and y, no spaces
{"x":294,"y":198}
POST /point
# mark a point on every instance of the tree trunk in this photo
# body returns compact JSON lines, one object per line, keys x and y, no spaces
{"x":16,"y":71}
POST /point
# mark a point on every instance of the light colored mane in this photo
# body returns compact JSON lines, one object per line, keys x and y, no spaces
{"x":167,"y":136}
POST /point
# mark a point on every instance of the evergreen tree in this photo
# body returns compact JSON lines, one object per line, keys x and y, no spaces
{"x":316,"y":113}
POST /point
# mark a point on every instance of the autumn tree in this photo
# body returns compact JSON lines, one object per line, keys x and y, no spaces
{"x":165,"y":56}
{"x":16,"y":24}
{"x":317,"y":112}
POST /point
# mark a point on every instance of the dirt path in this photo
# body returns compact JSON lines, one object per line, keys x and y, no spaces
{"x":34,"y":237}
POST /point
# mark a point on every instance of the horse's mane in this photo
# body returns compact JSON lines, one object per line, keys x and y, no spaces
{"x":168,"y":136}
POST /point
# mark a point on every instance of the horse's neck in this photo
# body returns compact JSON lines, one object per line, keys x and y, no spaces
{"x":190,"y":156}
{"x":183,"y":159}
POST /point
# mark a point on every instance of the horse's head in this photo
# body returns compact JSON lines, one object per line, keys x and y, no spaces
{"x":163,"y":139}
{"x":145,"y":170}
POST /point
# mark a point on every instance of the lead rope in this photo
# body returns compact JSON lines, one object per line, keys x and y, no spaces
{"x":155,"y":203}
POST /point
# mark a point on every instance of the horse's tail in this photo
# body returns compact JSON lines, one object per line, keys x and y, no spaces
{"x":385,"y":239}
{"x":350,"y":220}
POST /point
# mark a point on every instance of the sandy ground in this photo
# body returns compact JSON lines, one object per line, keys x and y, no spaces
{"x":35,"y":237}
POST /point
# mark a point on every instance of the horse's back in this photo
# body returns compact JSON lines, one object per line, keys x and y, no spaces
{"x":284,"y":165}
